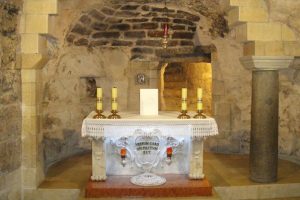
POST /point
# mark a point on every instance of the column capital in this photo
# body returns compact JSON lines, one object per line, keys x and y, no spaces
{"x":256,"y":63}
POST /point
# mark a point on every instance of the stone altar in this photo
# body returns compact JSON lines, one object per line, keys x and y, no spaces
{"x":187,"y":135}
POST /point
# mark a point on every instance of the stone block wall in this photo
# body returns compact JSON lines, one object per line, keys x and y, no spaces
{"x":137,"y":26}
{"x":10,"y":102}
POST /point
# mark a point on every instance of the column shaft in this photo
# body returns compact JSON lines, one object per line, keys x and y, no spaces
{"x":264,"y":126}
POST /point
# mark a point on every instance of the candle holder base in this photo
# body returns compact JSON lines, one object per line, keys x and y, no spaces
{"x":99,"y":115}
{"x":114,"y":115}
{"x":200,"y":115}
{"x":183,"y":115}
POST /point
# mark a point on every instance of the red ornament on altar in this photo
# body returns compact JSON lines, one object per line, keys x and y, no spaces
{"x":123,"y":152}
{"x":169,"y":151}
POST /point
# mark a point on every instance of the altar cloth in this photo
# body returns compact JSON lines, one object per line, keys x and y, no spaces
{"x":98,"y":128}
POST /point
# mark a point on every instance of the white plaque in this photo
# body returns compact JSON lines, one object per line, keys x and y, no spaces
{"x":148,"y":101}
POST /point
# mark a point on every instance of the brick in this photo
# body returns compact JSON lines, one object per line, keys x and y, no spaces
{"x":98,"y":43}
{"x":156,"y":34}
{"x":155,"y":43}
{"x":178,"y":27}
{"x":113,"y":20}
{"x":183,"y":35}
{"x":160,"y":19}
{"x":81,"y":42}
{"x":183,"y":21}
{"x":135,"y":34}
{"x":150,"y":14}
{"x":80,"y":30}
{"x":120,"y":27}
{"x":129,"y":7}
{"x":189,"y":16}
{"x":106,"y":35}
{"x":192,"y":28}
{"x":146,"y":8}
{"x":134,"y":20}
{"x":142,"y":50}
{"x":174,"y":15}
{"x":99,"y":26}
{"x":121,"y":43}
{"x":147,"y":25}
{"x":126,"y":13}
{"x":70,"y":38}
{"x":186,"y":43}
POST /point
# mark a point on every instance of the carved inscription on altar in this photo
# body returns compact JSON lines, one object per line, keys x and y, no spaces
{"x":145,"y":145}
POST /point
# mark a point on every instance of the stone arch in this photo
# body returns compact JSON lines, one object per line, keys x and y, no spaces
{"x":137,"y":26}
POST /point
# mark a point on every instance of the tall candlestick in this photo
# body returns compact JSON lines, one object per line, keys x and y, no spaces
{"x":199,"y":114}
{"x":99,"y":105}
{"x":114,"y":104}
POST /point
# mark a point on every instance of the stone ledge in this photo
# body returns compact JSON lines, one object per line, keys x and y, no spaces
{"x":266,"y":62}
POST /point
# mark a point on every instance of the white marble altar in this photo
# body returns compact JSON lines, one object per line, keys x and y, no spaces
{"x":186,"y":136}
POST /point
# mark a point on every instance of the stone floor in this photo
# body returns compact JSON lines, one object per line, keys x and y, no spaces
{"x":227,"y":173}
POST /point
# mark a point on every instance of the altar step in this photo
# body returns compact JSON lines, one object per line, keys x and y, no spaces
{"x":176,"y":186}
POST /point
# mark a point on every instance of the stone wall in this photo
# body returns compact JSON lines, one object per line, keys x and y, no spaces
{"x":134,"y":25}
{"x":78,"y":64}
{"x":10,"y":102}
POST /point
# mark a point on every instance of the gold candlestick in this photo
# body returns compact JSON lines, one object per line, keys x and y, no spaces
{"x":99,"y":115}
{"x":99,"y":110}
{"x":183,"y":114}
{"x":114,"y":115}
{"x":200,"y":115}
{"x":114,"y":111}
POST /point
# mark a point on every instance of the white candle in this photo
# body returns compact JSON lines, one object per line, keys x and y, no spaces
{"x":114,"y":93}
{"x":99,"y":105}
{"x":199,"y":93}
{"x":99,"y":92}
{"x":199,"y":99}
{"x":183,"y":93}
{"x":183,"y":97}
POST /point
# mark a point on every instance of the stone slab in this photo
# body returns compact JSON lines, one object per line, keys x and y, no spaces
{"x":176,"y":186}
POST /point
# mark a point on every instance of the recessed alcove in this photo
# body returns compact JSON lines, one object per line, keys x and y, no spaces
{"x":191,"y":75}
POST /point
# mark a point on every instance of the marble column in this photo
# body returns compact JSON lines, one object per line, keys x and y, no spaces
{"x":264,"y":115}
